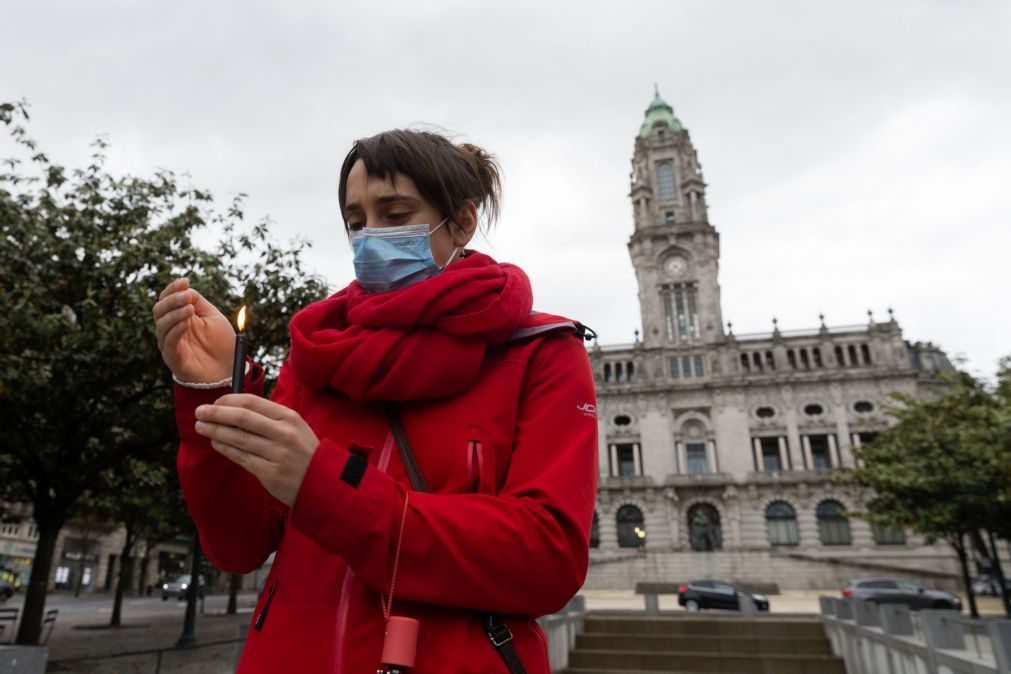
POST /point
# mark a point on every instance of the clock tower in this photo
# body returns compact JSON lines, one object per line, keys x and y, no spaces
{"x":674,"y":249}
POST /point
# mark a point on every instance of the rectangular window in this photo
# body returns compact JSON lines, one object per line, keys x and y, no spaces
{"x":693,"y":316}
{"x":698,"y":366}
{"x":674,"y":368}
{"x":626,"y":459}
{"x":668,"y":316}
{"x":821,"y":459}
{"x":695,"y":455}
{"x":665,"y":181}
{"x":770,"y":455}
{"x":867,"y":437}
{"x":686,"y":366}
{"x":885,"y":535}
{"x":682,"y":319}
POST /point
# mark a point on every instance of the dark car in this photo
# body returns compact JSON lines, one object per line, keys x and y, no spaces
{"x":900,"y":591}
{"x":699,"y":594}
{"x":6,"y":590}
{"x":177,"y":588}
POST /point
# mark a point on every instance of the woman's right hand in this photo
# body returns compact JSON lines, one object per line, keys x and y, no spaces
{"x":196,"y":340}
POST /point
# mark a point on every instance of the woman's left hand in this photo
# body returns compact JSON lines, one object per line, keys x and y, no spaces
{"x":271,"y":441}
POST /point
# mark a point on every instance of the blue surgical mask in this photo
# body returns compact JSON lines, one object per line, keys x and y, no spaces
{"x":390,"y":258}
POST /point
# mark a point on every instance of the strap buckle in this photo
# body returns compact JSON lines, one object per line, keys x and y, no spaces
{"x":499,"y":634}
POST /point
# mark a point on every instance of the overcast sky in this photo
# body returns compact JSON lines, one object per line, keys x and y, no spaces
{"x":857,"y":154}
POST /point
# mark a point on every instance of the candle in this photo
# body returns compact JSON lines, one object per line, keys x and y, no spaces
{"x":239,"y":363}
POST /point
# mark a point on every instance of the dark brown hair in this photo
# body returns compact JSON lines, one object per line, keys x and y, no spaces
{"x":447,"y":175}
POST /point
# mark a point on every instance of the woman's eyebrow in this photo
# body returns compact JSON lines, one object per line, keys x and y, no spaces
{"x":388,"y":199}
{"x":397,"y":198}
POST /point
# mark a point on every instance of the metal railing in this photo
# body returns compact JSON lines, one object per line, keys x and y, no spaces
{"x":889,"y":639}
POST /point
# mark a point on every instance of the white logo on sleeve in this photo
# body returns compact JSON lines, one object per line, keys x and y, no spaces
{"x":587,"y":409}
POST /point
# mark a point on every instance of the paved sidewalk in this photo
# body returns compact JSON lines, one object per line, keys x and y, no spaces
{"x":82,"y":642}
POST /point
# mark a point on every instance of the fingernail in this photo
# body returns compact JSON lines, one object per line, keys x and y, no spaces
{"x":201,"y":411}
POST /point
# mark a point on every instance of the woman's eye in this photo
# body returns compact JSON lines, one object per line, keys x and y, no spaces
{"x":355,"y":226}
{"x":397,"y":216}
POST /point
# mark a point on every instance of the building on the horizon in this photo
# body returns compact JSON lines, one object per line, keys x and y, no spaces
{"x":717,"y":449}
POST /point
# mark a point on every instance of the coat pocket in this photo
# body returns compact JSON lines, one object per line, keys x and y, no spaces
{"x":480,"y":467}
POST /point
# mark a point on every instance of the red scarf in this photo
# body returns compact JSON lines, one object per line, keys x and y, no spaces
{"x":425,"y":341}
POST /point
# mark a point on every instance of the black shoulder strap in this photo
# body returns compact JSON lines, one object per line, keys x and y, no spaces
{"x":499,"y":633}
{"x":404,"y":445}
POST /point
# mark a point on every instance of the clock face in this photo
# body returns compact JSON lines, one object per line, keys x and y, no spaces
{"x":675,"y":265}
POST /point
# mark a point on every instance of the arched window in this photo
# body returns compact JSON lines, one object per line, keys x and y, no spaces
{"x":781,"y":521}
{"x":665,"y":181}
{"x":595,"y":532}
{"x":833,"y":526}
{"x":704,"y":528}
{"x":630,"y":524}
{"x":607,"y":372}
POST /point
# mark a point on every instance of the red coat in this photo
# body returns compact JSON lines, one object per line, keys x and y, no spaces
{"x":511,"y":464}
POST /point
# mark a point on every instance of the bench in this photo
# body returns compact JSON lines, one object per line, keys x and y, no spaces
{"x":651,"y":593}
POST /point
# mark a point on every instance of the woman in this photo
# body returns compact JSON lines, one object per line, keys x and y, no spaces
{"x":433,"y":346}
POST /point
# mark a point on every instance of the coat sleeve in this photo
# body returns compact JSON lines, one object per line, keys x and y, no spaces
{"x":238,"y":521}
{"x":523,"y":551}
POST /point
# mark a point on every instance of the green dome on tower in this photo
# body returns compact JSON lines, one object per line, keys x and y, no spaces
{"x":659,"y":111}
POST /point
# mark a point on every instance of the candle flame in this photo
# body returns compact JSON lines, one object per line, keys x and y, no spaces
{"x":242,"y":318}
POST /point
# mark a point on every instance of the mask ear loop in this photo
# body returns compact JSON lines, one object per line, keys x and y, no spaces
{"x":455,"y":248}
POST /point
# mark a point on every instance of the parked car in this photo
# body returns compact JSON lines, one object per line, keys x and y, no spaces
{"x":900,"y":591}
{"x":699,"y":594}
{"x":989,"y":586}
{"x":177,"y":588}
{"x":6,"y":590}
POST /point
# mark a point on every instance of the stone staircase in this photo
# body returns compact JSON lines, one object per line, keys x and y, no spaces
{"x":622,"y":643}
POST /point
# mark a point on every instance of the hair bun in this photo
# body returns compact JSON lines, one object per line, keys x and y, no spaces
{"x":489,"y":175}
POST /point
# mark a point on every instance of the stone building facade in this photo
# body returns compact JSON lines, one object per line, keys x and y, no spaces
{"x":717,"y":450}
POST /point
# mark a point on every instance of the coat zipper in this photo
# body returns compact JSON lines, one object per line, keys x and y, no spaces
{"x":343,"y":604}
{"x":262,"y":617}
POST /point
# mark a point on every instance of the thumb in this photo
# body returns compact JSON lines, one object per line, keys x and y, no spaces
{"x":200,"y":304}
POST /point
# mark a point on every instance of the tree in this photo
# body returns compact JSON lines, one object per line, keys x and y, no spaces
{"x":83,"y":256}
{"x":942,"y":467}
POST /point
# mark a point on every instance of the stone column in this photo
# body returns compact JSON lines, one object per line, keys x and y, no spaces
{"x":833,"y":451}
{"x":842,"y":431}
{"x":637,"y":460}
{"x":714,"y":465}
{"x":808,"y":460}
{"x":756,"y":451}
{"x":615,"y":468}
{"x":608,"y":530}
{"x":783,"y":454}
{"x":792,"y":431}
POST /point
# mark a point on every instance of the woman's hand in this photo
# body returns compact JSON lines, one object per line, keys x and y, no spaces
{"x":196,"y":340}
{"x":269,"y":440}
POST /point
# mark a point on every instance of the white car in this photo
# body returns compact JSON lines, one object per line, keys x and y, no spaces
{"x":177,"y":588}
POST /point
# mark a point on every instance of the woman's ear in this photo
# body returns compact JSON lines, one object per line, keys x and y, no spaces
{"x":466,"y":219}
